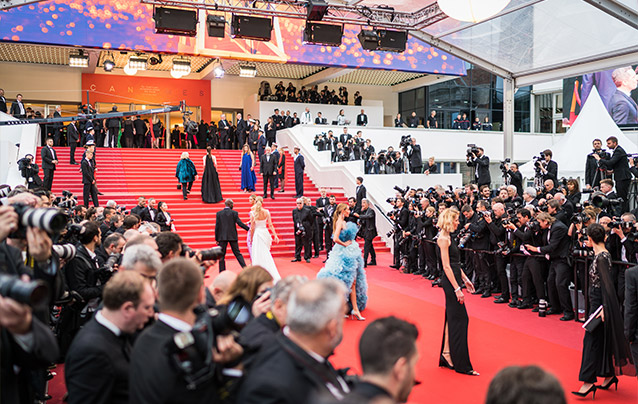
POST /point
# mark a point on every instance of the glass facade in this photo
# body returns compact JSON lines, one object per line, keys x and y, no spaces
{"x":478,"y":94}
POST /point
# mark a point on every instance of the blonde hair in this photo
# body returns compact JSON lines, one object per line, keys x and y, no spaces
{"x":184,"y":156}
{"x":257,"y":207}
{"x":246,"y":284}
{"x":447,"y":218}
{"x":340,"y":208}
{"x":245,"y":147}
{"x":252,"y":198}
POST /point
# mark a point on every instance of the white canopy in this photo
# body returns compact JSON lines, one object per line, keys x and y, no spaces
{"x":593,"y":122}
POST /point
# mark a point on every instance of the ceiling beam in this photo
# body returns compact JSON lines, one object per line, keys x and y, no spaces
{"x":7,"y":4}
{"x":460,"y":53}
{"x":577,"y":67}
{"x":617,"y":10}
{"x":324,"y":76}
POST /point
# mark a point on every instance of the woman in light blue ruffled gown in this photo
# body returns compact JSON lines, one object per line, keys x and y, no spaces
{"x":345,"y":261}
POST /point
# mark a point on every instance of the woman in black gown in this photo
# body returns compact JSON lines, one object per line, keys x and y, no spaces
{"x":211,"y":190}
{"x":454,"y":350}
{"x":606,"y":352}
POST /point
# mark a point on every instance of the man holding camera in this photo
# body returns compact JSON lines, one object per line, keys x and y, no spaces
{"x":514,"y":177}
{"x":88,"y":180}
{"x":29,"y":171}
{"x":328,"y":212}
{"x":302,"y":219}
{"x":158,"y":376}
{"x":480,"y":244}
{"x":594,"y":173}
{"x":498,"y":238}
{"x":619,"y":165}
{"x":97,"y":364}
{"x":414,"y":154}
{"x":368,"y":232}
{"x":623,"y":247}
{"x":477,"y":159}
{"x":402,"y":221}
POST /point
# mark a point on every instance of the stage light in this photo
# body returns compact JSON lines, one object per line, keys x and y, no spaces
{"x":247,"y":71}
{"x":322,"y":34}
{"x":138,"y":62}
{"x":383,"y":40}
{"x":181,"y":66}
{"x":79,"y":59}
{"x":216,"y":25}
{"x":176,"y":74}
{"x":108,"y":64}
{"x":218,"y":69}
{"x":129,"y":70}
{"x":155,"y":60}
{"x":317,"y":9}
{"x":472,"y":10}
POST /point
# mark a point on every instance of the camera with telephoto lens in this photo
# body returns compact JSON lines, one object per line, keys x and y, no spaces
{"x":65,"y":251}
{"x":503,"y":163}
{"x":579,"y":218}
{"x":51,"y":220}
{"x":406,"y":141}
{"x":112,"y":261}
{"x":599,"y":200}
{"x":471,"y":151}
{"x":464,"y":237}
{"x":400,"y":190}
{"x":539,"y":161}
{"x":534,"y":225}
{"x":32,"y":293}
{"x":212,"y":254}
{"x":634,"y":158}
{"x":502,"y":248}
{"x":301,"y":230}
{"x":620,"y":224}
{"x":5,"y":190}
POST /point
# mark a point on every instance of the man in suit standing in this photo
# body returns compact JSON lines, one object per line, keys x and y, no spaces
{"x":549,"y":168}
{"x":226,"y":222}
{"x":295,"y":369}
{"x":73,"y":137}
{"x":413,"y":120}
{"x":320,"y":120}
{"x":271,"y":131}
{"x":154,"y":378}
{"x":3,"y":102}
{"x":360,"y":193}
{"x":88,"y":180}
{"x":224,"y":135}
{"x":97,"y":364}
{"x":481,"y":164}
{"x":362,"y":119}
{"x":295,"y":120}
{"x":262,"y":142}
{"x":620,"y":166}
{"x":631,"y":311}
{"x":303,"y":220}
{"x":414,"y":154}
{"x":320,"y":204}
{"x":140,"y":207}
{"x":253,"y":138}
{"x":113,"y":125}
{"x":622,"y":107}
{"x":242,"y":130}
{"x":300,"y":165}
{"x":17,"y":108}
{"x":345,"y":136}
{"x":268,"y":170}
{"x":281,"y":167}
{"x":49,"y":162}
{"x":141,"y":130}
{"x":367,"y":220}
{"x":328,"y":212}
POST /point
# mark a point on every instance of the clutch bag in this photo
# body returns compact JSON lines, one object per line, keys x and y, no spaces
{"x":593,"y":321}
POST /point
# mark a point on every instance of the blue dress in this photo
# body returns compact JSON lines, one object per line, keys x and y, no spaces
{"x":346,"y":264}
{"x":248,"y":177}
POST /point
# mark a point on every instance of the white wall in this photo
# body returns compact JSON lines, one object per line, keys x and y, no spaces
{"x":15,"y":142}
{"x":373,"y":109}
{"x":41,"y":82}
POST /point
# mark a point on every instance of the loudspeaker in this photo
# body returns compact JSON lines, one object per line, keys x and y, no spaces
{"x":316,"y":9}
{"x":175,"y":21}
{"x":392,"y":41}
{"x":323,"y":34}
{"x":216,"y":25}
{"x":369,"y":39}
{"x":246,"y":27}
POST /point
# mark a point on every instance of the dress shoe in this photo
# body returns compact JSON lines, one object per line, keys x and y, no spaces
{"x":536,"y":309}
{"x":394,"y":266}
{"x":514,"y":303}
{"x":553,"y":311}
{"x":567,"y":317}
{"x":272,"y":197}
{"x":436,"y":283}
{"x":477,"y":292}
{"x":99,"y":193}
{"x":308,"y":260}
{"x":525,"y":306}
{"x":501,"y":300}
{"x":315,"y":256}
{"x":296,"y":260}
{"x":74,"y":163}
{"x":373,"y":263}
{"x":281,"y":191}
{"x":486,"y":294}
{"x":324,"y":261}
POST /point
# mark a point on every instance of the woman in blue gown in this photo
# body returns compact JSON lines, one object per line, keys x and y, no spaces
{"x":345,"y":261}
{"x":247,"y":168}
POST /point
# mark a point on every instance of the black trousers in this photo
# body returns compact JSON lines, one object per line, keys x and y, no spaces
{"x":302,"y":242}
{"x":234,"y":246}
{"x":534,"y":278}
{"x":298,"y":185}
{"x":319,"y":231}
{"x":416,"y":170}
{"x":47,"y":183}
{"x":111,"y":139}
{"x":595,"y":362}
{"x":281,"y":181}
{"x":269,"y":179}
{"x":186,"y":186}
{"x":316,"y":238}
{"x":500,"y":262}
{"x":622,"y":190}
{"x":89,"y":192}
{"x":560,"y":274}
{"x":73,"y":146}
{"x":368,"y":249}
{"x":328,"y":238}
{"x":431,"y":259}
{"x":482,"y":271}
{"x":271,"y":139}
{"x":516,"y":272}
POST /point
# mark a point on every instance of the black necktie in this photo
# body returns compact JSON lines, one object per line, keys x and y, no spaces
{"x":125,"y":339}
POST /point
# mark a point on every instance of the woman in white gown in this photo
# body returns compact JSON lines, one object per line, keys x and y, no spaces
{"x":249,"y":236}
{"x":260,"y":222}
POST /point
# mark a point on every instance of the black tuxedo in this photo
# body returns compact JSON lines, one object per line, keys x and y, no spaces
{"x":344,"y":137}
{"x":260,"y":332}
{"x":319,"y":233}
{"x":622,"y":176}
{"x":593,"y":173}
{"x":560,"y":273}
{"x":328,"y":212}
{"x":140,"y":132}
{"x":3,"y":104}
{"x":416,"y":162}
{"x":97,"y":366}
{"x":138,"y":210}
{"x":154,"y":379}
{"x":242,"y":132}
{"x":270,"y":129}
{"x":360,"y":195}
{"x":72,"y":138}
{"x":552,"y":172}
{"x":268,"y":169}
{"x":18,"y":110}
{"x":631,"y":309}
{"x":300,"y":165}
{"x":224,"y":135}
{"x":516,"y":179}
{"x":284,"y":373}
{"x":482,"y":167}
{"x":398,"y":123}
{"x":362,"y":120}
{"x":48,"y":155}
{"x":320,"y":121}
{"x":367,"y":219}
{"x":253,"y":140}
{"x":88,"y":183}
{"x":303,"y":221}
{"x":226,"y":222}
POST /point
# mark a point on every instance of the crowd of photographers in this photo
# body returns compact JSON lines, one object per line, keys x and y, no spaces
{"x":524,"y":246}
{"x":346,"y":147}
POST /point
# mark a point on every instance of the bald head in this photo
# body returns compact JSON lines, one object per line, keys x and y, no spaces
{"x":221,"y":284}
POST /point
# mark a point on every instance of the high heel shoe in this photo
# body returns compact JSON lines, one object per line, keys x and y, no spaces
{"x":614,"y":381}
{"x":356,"y":316}
{"x":443,"y":363}
{"x":592,"y":390}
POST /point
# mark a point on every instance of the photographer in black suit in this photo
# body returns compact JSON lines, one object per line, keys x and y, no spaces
{"x":302,"y":219}
{"x":401,"y":220}
{"x":477,"y":159}
{"x":514,"y":177}
{"x":620,"y":166}
{"x":328,"y":212}
{"x":97,"y":364}
{"x":242,"y":131}
{"x":320,"y":204}
{"x":368,"y":231}
{"x":88,"y":180}
{"x":631,"y":311}
{"x":549,"y":168}
{"x":268,"y":169}
{"x":49,"y":162}
{"x":360,"y":193}
{"x":226,"y":222}
{"x":414,"y":154}
{"x":295,"y":368}
{"x":72,"y":137}
{"x":154,"y":376}
{"x":594,"y":173}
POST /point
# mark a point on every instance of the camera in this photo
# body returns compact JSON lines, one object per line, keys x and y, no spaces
{"x":32,"y":293}
{"x":301,"y":230}
{"x":534,"y":225}
{"x":503,"y":163}
{"x":601,"y":201}
{"x":65,"y":251}
{"x":212,"y":254}
{"x":539,"y":161}
{"x":400,"y":190}
{"x":48,"y":219}
{"x":464,"y":237}
{"x":579,"y":218}
{"x":67,"y":194}
{"x":472,"y":150}
{"x":634,"y":158}
{"x":112,"y":261}
{"x":406,"y":141}
{"x":502,"y":248}
{"x":619,"y":224}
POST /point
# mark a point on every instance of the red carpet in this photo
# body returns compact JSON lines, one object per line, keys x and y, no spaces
{"x":499,"y":336}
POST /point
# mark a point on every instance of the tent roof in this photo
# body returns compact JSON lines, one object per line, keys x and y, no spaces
{"x":571,"y":151}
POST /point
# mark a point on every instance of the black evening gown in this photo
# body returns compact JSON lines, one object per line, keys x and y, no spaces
{"x":211,"y":190}
{"x":456,"y":317}
{"x":606,"y":352}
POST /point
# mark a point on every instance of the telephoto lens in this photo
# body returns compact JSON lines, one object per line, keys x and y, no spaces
{"x":214,"y":253}
{"x":65,"y":251}
{"x":32,"y":293}
{"x":50,"y":220}
{"x":542,"y":308}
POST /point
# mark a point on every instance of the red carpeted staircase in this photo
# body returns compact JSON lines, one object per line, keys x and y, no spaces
{"x":125,"y":174}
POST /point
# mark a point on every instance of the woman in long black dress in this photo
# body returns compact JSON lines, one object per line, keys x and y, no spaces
{"x":454,"y":350}
{"x":211,"y":190}
{"x":606,"y":352}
